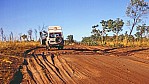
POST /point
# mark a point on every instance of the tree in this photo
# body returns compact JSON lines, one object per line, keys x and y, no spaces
{"x":141,"y":29}
{"x":11,"y":36}
{"x":147,"y":32}
{"x":121,"y":37}
{"x":35,"y":30}
{"x":24,"y":37}
{"x":2,"y":33}
{"x":86,"y":40}
{"x":138,"y":36}
{"x":4,"y":38}
{"x":20,"y":34}
{"x":30,"y":34}
{"x":136,"y":10}
{"x":96,"y":33}
{"x":113,"y":25}
{"x":70,"y":38}
{"x":105,"y":29}
{"x":116,"y":27}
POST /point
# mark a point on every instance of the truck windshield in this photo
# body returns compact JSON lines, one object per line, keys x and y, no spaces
{"x":53,"y":35}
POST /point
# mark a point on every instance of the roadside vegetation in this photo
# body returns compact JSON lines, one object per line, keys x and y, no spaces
{"x":16,"y":48}
{"x":13,"y":47}
{"x":137,"y":11}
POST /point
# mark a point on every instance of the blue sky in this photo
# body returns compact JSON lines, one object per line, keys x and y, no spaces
{"x":75,"y":16}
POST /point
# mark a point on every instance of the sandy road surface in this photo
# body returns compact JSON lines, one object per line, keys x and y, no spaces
{"x":87,"y":65}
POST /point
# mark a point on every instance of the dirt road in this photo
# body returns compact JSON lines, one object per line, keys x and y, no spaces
{"x":87,"y":65}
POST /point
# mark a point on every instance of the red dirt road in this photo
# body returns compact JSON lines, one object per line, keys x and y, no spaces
{"x":85,"y":65}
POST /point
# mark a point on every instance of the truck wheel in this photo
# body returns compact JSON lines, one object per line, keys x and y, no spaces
{"x":60,"y":47}
{"x":48,"y":47}
{"x":59,"y":40}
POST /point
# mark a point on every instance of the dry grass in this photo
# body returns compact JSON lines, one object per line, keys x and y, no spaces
{"x":131,"y":44}
{"x":11,"y":56}
{"x":16,"y":48}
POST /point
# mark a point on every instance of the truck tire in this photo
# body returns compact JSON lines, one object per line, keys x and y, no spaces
{"x":59,"y":40}
{"x":48,"y":47}
{"x":60,"y":47}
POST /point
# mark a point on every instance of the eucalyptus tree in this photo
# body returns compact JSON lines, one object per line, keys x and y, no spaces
{"x":24,"y":37}
{"x":35,"y":31}
{"x":116,"y":27}
{"x":147,"y":32}
{"x":70,"y":38}
{"x":105,"y":28}
{"x":2,"y":33}
{"x":86,"y":40}
{"x":4,"y":38}
{"x":96,"y":33}
{"x":11,"y":36}
{"x":141,"y":30}
{"x":30,"y":34}
{"x":136,"y":10}
{"x":20,"y":36}
{"x":121,"y":37}
{"x":113,"y":25}
{"x":138,"y":36}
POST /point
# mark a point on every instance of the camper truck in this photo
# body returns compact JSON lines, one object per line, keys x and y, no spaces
{"x":53,"y":37}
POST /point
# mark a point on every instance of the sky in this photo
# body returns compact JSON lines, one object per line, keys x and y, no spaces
{"x":76,"y":17}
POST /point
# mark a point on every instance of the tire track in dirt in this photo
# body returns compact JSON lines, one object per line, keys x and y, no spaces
{"x":48,"y":68}
{"x":66,"y":71}
{"x":80,"y":65}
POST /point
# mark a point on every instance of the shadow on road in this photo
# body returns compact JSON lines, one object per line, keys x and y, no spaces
{"x":128,"y":53}
{"x":29,"y":50}
{"x":131,"y":51}
{"x":18,"y":76}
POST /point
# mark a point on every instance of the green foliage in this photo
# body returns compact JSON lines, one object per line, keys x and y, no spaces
{"x":70,"y":38}
{"x":121,"y":37}
{"x":24,"y":37}
{"x":112,"y":25}
{"x":89,"y":41}
{"x":96,"y":33}
{"x":138,"y":35}
{"x":135,"y":10}
{"x":141,"y":30}
{"x":117,"y":25}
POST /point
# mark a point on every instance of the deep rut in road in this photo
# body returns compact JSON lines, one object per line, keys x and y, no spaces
{"x":45,"y":69}
{"x":48,"y":68}
{"x":85,"y":65}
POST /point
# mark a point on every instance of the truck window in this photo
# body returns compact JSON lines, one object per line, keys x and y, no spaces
{"x":54,"y":35}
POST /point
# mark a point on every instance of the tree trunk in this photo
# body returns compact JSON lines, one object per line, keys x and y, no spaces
{"x":132,"y":29}
{"x":117,"y":39}
{"x":128,"y":39}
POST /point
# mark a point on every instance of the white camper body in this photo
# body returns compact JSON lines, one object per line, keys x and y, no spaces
{"x":54,"y":29}
{"x":54,"y":37}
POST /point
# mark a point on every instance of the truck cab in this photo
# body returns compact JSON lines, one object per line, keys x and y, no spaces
{"x":53,"y":37}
